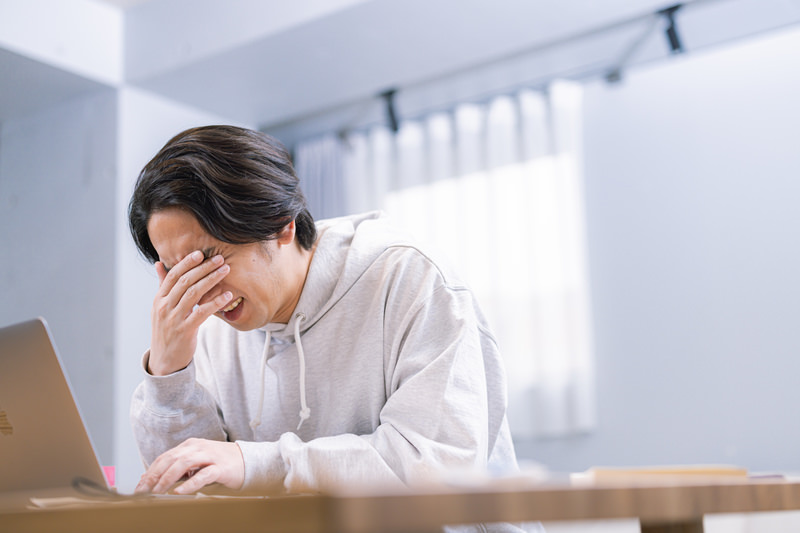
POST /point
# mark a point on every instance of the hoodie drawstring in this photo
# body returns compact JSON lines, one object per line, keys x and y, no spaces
{"x":305,"y":412}
{"x":254,"y":423}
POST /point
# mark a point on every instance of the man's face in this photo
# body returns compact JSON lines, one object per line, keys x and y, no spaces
{"x":262,"y":276}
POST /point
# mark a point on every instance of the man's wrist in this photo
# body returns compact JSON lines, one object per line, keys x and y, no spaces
{"x":158,"y":370}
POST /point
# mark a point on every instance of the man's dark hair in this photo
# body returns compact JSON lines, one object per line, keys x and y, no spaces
{"x":239,"y":184}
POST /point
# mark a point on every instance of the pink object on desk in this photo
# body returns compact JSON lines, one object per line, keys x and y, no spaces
{"x":111,"y":474}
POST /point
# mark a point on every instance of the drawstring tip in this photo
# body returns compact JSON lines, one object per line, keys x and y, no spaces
{"x":304,"y":414}
{"x":254,"y":424}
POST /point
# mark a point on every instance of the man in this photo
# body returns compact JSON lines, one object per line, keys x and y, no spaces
{"x":339,"y":353}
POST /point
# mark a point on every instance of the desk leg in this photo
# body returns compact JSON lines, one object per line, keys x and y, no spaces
{"x":677,"y":527}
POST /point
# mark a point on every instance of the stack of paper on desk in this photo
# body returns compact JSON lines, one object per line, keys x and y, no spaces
{"x":658,"y":473}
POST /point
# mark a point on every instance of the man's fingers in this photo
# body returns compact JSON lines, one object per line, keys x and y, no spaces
{"x":161,"y":271}
{"x":156,"y":478}
{"x":194,"y":293}
{"x":144,"y":485}
{"x":205,"y":310}
{"x":204,"y":476}
{"x":147,"y":482}
{"x":174,"y":465}
{"x":181,"y":468}
{"x":198,"y":462}
{"x":185,"y":265}
{"x":180,"y":294}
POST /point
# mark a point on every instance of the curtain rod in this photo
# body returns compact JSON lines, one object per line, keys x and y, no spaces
{"x":357,"y":109}
{"x":654,"y":17}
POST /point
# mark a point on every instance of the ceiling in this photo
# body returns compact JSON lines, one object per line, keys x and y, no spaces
{"x":367,"y":48}
{"x":125,"y":4}
{"x":279,"y":64}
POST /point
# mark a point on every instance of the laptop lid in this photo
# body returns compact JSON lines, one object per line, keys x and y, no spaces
{"x":43,"y":440}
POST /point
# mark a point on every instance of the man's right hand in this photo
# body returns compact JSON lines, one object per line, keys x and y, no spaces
{"x":184,"y":300}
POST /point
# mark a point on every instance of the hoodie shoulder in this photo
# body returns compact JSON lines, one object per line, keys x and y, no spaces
{"x":350,"y":245}
{"x":359,"y":241}
{"x":346,"y":247}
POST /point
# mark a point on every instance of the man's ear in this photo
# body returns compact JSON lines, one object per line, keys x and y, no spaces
{"x":286,"y":235}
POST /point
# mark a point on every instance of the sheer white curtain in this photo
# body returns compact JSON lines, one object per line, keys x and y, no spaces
{"x":496,"y":188}
{"x":319,"y":165}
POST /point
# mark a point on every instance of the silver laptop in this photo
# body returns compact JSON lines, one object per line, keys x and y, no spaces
{"x":44,"y":444}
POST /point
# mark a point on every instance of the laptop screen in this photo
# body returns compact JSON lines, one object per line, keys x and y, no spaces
{"x":43,"y":440}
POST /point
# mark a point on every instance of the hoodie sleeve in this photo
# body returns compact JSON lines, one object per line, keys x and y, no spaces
{"x":435,"y":418}
{"x":166,"y":410}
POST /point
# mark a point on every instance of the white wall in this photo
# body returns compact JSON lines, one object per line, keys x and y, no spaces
{"x":66,"y":176}
{"x":57,"y":183}
{"x":692,"y":176}
{"x":84,"y":37}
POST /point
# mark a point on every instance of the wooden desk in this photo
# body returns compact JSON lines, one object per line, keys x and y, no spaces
{"x":660,"y":508}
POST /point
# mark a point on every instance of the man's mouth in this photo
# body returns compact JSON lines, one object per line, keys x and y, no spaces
{"x":233,"y":305}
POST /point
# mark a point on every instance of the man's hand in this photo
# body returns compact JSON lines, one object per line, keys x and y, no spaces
{"x":199,"y":462}
{"x":184,"y":300}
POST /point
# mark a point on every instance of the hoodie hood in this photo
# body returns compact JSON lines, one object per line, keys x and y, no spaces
{"x":346,"y":247}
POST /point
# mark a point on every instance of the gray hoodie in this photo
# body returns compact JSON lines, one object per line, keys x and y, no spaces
{"x":402,"y":379}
